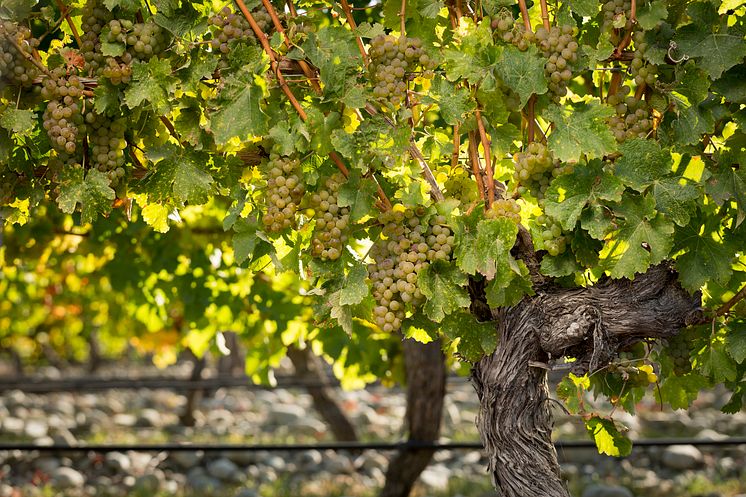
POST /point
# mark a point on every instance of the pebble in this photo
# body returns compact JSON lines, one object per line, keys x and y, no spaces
{"x":223,"y":469}
{"x":681,"y":457}
{"x":67,"y":478}
{"x":287,"y":414}
{"x":186,"y":459}
{"x":118,"y":462}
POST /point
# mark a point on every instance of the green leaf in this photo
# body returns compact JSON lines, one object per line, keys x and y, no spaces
{"x":643,"y":238}
{"x":732,"y":84}
{"x":584,"y":8}
{"x":510,"y":287}
{"x":729,"y":184}
{"x":675,"y":199}
{"x":680,"y":391}
{"x":238,"y":112}
{"x":333,"y":50}
{"x":704,"y":254}
{"x":244,"y":239}
{"x":650,"y":14}
{"x":608,"y":437}
{"x":716,"y":51}
{"x":359,"y":194}
{"x":442,"y":285}
{"x":151,"y":82}
{"x":570,"y":193}
{"x":561,"y":265}
{"x":179,"y":172}
{"x":571,"y":390}
{"x":16,"y":10}
{"x":20,"y":121}
{"x":692,"y":119}
{"x":106,"y":98}
{"x":354,"y":289}
{"x":715,"y":362}
{"x":642,"y":162}
{"x":523,"y":72}
{"x":91,"y":191}
{"x":128,"y":5}
{"x":341,"y":313}
{"x":112,"y":49}
{"x":156,"y":215}
{"x":484,"y":247}
{"x":475,"y":339}
{"x":735,"y":341}
{"x":452,"y":101}
{"x":580,"y":131}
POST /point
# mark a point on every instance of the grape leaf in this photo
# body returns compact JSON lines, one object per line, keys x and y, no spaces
{"x":20,"y":121}
{"x":692,"y":119}
{"x":106,"y":98}
{"x":128,"y":5}
{"x":441,"y":284}
{"x":681,"y":391}
{"x":570,"y":193}
{"x":16,"y":10}
{"x":643,"y":238}
{"x":238,"y":113}
{"x":735,"y":340}
{"x":508,"y":288}
{"x":156,"y":215}
{"x":354,"y":288}
{"x":642,"y":162}
{"x":716,"y":51}
{"x":359,"y":194}
{"x":650,"y":14}
{"x":729,"y":184}
{"x":705,"y":256}
{"x":151,"y":82}
{"x":582,"y":131}
{"x":715,"y":362}
{"x":180,"y":172}
{"x":484,"y":246}
{"x":584,"y":8}
{"x":675,"y":199}
{"x":91,"y":190}
{"x":732,"y":84}
{"x":475,"y":339}
{"x":558,"y":266}
{"x":244,"y":239}
{"x":608,"y":437}
{"x":522,"y":71}
{"x":452,"y":101}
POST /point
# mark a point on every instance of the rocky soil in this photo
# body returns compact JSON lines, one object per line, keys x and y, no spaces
{"x":238,"y":415}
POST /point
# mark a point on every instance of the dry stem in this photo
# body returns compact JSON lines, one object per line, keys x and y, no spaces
{"x":487,"y":159}
{"x":524,"y":15}
{"x":475,"y":166}
{"x":545,"y":15}
{"x":353,"y":25}
{"x":65,"y":12}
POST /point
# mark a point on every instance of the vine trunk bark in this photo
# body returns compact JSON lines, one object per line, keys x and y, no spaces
{"x":426,"y":383}
{"x":589,"y":324}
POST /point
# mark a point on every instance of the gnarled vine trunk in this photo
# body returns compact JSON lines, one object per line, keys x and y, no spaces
{"x":588,"y":324}
{"x":426,"y":383}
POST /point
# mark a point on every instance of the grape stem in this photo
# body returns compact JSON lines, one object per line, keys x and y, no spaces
{"x":725,"y":308}
{"x":545,"y":15}
{"x":475,"y":166}
{"x":456,"y":146}
{"x":524,"y":15}
{"x":616,"y":79}
{"x":628,"y":36}
{"x":66,"y":14}
{"x":487,"y":159}
{"x":403,"y":17}
{"x":531,"y":118}
{"x":26,"y":55}
{"x":291,"y":8}
{"x":353,"y":26}
{"x":278,"y":27}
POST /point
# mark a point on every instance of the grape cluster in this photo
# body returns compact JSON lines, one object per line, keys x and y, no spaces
{"x":551,"y":234}
{"x":561,"y":51}
{"x":678,"y":350}
{"x":615,"y":14}
{"x":106,"y":144}
{"x":94,"y":18}
{"x":330,"y":232}
{"x":15,"y":68}
{"x":509,"y":31}
{"x":643,"y":72}
{"x":284,"y":193}
{"x":505,"y":208}
{"x":116,"y":72}
{"x":228,"y":27}
{"x":632,"y":118}
{"x":461,"y":187}
{"x":62,"y":117}
{"x":407,"y":245}
{"x":391,"y":61}
{"x":535,"y":168}
{"x":143,"y":39}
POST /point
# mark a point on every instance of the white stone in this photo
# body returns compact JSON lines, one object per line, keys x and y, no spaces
{"x":682,"y":457}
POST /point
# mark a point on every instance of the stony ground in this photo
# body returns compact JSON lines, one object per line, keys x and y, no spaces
{"x":259,"y":416}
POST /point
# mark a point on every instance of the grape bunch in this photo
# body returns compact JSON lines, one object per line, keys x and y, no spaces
{"x":15,"y":68}
{"x":615,"y":15}
{"x":94,"y":18}
{"x":632,"y":118}
{"x":392,"y":60}
{"x":284,"y":193}
{"x":509,"y":31}
{"x":106,"y":144}
{"x":63,"y":117}
{"x":643,"y":72}
{"x":143,"y":39}
{"x":116,"y":72}
{"x":461,"y":187}
{"x":505,"y":208}
{"x":330,"y":232}
{"x":228,"y":27}
{"x":407,"y":245}
{"x":678,"y":350}
{"x":561,"y":51}
{"x":551,"y":234}
{"x":535,"y":168}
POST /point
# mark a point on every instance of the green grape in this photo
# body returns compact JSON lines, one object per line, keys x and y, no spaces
{"x":461,"y":187}
{"x":106,"y":144}
{"x":534,"y":170}
{"x":508,"y":30}
{"x":680,"y":353}
{"x":62,"y":117}
{"x":332,"y":221}
{"x":561,"y":51}
{"x":392,"y":60}
{"x":407,"y":245}
{"x":643,"y":72}
{"x":507,"y":208}
{"x":555,"y":242}
{"x":615,"y":16}
{"x":93,"y":20}
{"x":284,"y":193}
{"x":632,"y":117}
{"x":15,"y":68}
{"x":228,"y":27}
